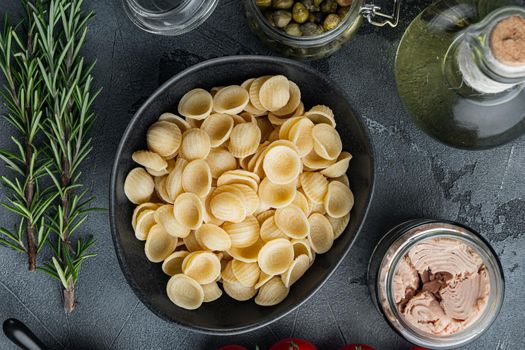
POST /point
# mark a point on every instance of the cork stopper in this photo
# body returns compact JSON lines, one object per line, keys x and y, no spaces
{"x":507,"y":41}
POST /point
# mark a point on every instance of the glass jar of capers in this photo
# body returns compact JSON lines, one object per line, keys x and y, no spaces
{"x":309,"y":29}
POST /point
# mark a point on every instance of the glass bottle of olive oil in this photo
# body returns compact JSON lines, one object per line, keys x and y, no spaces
{"x":460,"y":71}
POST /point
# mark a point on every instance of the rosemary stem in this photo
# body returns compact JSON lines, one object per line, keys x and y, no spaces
{"x":69,"y":297}
{"x":29,"y":192}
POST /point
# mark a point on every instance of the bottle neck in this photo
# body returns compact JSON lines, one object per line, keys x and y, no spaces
{"x":479,"y":61}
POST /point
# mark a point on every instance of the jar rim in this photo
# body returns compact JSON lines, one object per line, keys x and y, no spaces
{"x":351,"y":17}
{"x":485,"y":251}
{"x":180,"y":19}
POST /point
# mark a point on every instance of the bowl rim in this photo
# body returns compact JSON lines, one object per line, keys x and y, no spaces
{"x":113,"y":185}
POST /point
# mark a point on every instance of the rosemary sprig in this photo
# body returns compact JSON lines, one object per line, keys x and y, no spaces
{"x":67,"y":82}
{"x":22,"y":98}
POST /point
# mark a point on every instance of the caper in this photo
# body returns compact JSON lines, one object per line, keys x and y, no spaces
{"x":282,"y":4}
{"x":269,"y":17}
{"x":331,"y":21}
{"x":293,"y":29}
{"x":344,"y":2}
{"x":281,"y":18}
{"x":311,"y":29}
{"x":263,"y":3}
{"x":343,"y":11}
{"x":317,"y":2}
{"x":309,"y":4}
{"x":329,"y":6}
{"x":300,"y":13}
{"x":316,"y":17}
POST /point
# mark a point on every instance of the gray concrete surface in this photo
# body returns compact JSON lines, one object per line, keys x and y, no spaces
{"x":416,"y":177}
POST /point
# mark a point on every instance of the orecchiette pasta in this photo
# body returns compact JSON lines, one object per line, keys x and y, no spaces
{"x":241,"y":191}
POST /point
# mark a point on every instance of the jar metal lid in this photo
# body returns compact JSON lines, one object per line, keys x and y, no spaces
{"x":169,"y":17}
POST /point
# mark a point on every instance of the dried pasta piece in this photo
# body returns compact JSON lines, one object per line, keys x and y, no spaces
{"x":293,"y":101}
{"x":312,"y":161}
{"x":164,"y":138}
{"x":321,"y":114}
{"x":218,"y":127}
{"x":263,"y":279}
{"x":264,"y":215}
{"x":297,"y":270}
{"x":250,"y":107}
{"x":139,"y":209}
{"x":301,"y":135}
{"x":204,"y":267}
{"x":185,"y":292}
{"x":170,"y":165}
{"x":292,"y":221}
{"x":194,"y":123}
{"x":339,"y":200}
{"x":314,"y":185}
{"x":327,"y":142}
{"x":276,"y":256}
{"x":284,"y":131}
{"x":145,"y":222}
{"x":251,"y":200}
{"x":195,"y":144}
{"x":160,"y":188}
{"x":228,"y":207}
{"x":302,"y":247}
{"x":213,"y":237}
{"x":215,"y":89}
{"x":172,"y":265}
{"x":149,"y":160}
{"x":231,"y":100}
{"x":270,"y":231}
{"x":243,"y":234}
{"x":227,"y":273}
{"x":282,"y":165}
{"x":343,"y":179}
{"x":196,"y":104}
{"x":321,"y":236}
{"x":340,"y":167}
{"x":159,"y":244}
{"x":174,"y":179}
{"x":254,"y":92}
{"x":239,"y":292}
{"x":318,"y":208}
{"x":238,"y":176}
{"x":301,"y":202}
{"x":339,"y":225}
{"x":138,"y":186}
{"x":175,"y":119}
{"x":244,"y":140}
{"x":274,"y":93}
{"x":212,"y":292}
{"x":248,"y":254}
{"x":272,"y":292}
{"x":196,"y":178}
{"x":188,"y":210}
{"x":220,"y":160}
{"x":277,"y":196}
{"x":265,"y":126}
{"x":207,"y":215}
{"x":191,"y":243}
{"x":165,"y":216}
{"x":246,"y":273}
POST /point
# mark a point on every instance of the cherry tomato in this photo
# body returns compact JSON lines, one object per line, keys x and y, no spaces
{"x":356,"y":347}
{"x":232,"y":347}
{"x":293,"y":344}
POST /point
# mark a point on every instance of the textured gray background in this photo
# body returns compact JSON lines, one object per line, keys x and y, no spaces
{"x":416,"y":177}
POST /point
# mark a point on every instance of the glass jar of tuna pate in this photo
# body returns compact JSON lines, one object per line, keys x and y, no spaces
{"x":390,"y":256}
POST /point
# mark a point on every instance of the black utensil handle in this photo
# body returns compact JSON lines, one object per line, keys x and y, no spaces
{"x":22,"y":336}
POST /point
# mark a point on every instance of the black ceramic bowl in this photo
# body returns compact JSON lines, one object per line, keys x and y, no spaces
{"x":227,"y":316}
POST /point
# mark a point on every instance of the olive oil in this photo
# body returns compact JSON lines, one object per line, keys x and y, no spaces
{"x":433,"y":85}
